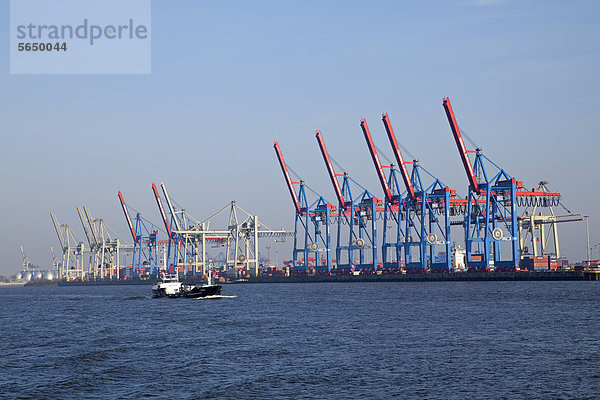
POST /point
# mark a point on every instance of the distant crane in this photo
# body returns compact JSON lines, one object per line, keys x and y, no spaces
{"x":55,"y":260}
{"x":25,"y":264}
{"x":532,"y":226}
{"x":145,"y":242}
{"x":73,"y":251}
{"x":188,"y":239}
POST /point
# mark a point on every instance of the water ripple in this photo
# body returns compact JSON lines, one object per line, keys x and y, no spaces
{"x":447,"y":340}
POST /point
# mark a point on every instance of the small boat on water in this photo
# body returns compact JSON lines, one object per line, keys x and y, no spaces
{"x":168,"y":285}
{"x":206,"y":290}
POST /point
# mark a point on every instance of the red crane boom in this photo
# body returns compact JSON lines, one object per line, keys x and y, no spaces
{"x":135,"y":239}
{"x":460,"y":144}
{"x":336,"y":185}
{"x":162,"y":211}
{"x":288,"y":180}
{"x":398,"y":155}
{"x":375,"y":157}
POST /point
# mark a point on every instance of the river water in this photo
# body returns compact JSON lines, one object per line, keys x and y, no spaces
{"x":434,"y":340}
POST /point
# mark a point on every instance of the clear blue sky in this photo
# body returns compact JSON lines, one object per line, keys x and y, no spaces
{"x":229,"y":77}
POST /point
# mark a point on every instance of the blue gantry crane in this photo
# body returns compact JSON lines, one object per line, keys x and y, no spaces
{"x":393,"y":235}
{"x":426,"y":210}
{"x":491,"y":217}
{"x":311,"y":218}
{"x":358,"y":214}
{"x":145,"y":242}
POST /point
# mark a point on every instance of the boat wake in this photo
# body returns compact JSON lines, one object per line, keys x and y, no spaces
{"x":215,"y":297}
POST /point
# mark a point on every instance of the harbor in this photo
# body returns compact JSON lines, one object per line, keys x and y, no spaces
{"x":414,"y":225}
{"x":242,"y":200}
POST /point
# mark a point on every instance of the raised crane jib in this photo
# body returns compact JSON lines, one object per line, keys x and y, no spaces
{"x":375,"y":157}
{"x":162,"y":211}
{"x":288,"y":180}
{"x":95,"y":235}
{"x":171,"y":208}
{"x":401,"y":164}
{"x":85,"y":228}
{"x":58,"y":233}
{"x":460,"y":144}
{"x":128,"y":219}
{"x":336,"y":185}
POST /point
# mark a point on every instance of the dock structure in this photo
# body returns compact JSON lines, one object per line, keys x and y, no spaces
{"x":181,"y":248}
{"x":591,"y":275}
{"x":100,"y":259}
{"x":188,"y":237}
{"x":417,"y":221}
{"x":504,"y":226}
{"x":356,"y":244}
{"x":312,"y":222}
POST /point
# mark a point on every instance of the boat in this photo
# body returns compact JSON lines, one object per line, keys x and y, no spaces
{"x":206,"y":290}
{"x":169,"y":286}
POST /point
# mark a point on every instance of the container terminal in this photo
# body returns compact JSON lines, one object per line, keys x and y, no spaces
{"x":505,"y":231}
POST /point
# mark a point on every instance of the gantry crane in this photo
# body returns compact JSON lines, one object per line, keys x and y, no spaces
{"x":183,"y":247}
{"x":105,"y":251}
{"x":55,"y":262}
{"x":533,"y":225}
{"x":491,"y":217}
{"x":392,"y":211}
{"x":190,"y":236}
{"x":25,"y":264}
{"x":355,"y":212}
{"x":309,"y":238}
{"x":426,"y":209}
{"x":88,"y":227}
{"x":71,"y":265}
{"x":145,"y":237}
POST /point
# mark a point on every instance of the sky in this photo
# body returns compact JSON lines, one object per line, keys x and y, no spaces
{"x":230,"y":77}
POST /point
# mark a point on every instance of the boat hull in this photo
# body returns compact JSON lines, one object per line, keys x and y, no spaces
{"x":204,"y":291}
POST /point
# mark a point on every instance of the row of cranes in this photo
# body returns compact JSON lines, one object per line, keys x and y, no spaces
{"x":187,"y":238}
{"x":182,"y":249}
{"x":99,"y":259}
{"x":417,"y":218}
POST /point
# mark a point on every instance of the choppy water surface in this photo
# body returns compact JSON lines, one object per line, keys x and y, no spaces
{"x":324,"y":340}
